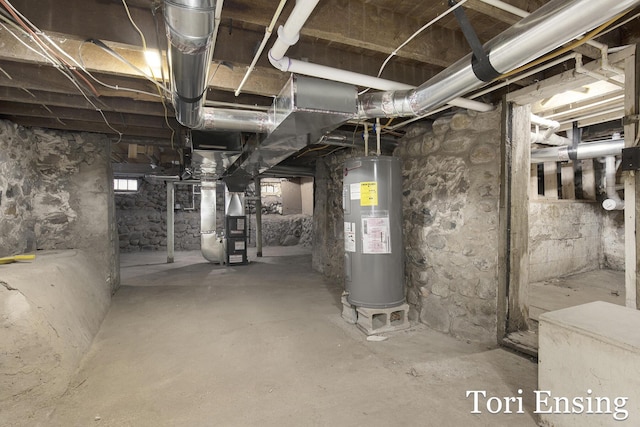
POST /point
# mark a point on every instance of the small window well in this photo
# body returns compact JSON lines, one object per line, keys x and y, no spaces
{"x":125,"y":185}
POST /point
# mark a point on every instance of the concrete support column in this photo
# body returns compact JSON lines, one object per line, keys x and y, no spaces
{"x":258,"y":217}
{"x":170,"y":217}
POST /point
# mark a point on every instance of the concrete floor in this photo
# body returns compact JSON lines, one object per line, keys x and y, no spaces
{"x":577,"y":289}
{"x":194,"y":344}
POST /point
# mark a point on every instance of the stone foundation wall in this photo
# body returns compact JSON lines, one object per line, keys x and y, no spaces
{"x":613,"y":240}
{"x":142,"y":219}
{"x":283,"y":230}
{"x":328,"y":217}
{"x":56,"y":198}
{"x":142,"y":216}
{"x":565,"y":237}
{"x":451,"y":207}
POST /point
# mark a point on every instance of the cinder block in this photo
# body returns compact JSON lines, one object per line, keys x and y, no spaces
{"x":349,"y":313}
{"x":378,"y":320}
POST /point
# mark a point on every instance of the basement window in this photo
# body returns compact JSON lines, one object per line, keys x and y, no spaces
{"x":125,"y":185}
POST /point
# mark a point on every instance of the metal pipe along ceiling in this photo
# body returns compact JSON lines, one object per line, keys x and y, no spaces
{"x":190,"y":28}
{"x":551,"y":26}
{"x":589,"y":150}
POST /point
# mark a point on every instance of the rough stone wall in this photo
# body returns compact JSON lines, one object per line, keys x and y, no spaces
{"x":565,"y":237}
{"x":57,"y":194}
{"x":328,"y":223}
{"x":57,"y":198}
{"x":451,"y":213}
{"x":283,"y":230}
{"x":142,"y":216}
{"x":613,"y":240}
{"x":142,"y":219}
{"x":18,"y":180}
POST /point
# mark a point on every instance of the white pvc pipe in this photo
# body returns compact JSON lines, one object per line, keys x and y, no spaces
{"x":265,"y":39}
{"x":553,"y":139}
{"x":470,"y":104}
{"x":289,"y":33}
{"x":551,"y":125}
{"x":507,"y":7}
{"x":287,"y":64}
{"x":613,"y":200}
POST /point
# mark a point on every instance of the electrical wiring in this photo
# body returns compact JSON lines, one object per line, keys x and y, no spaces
{"x":413,"y":36}
{"x":53,"y":60}
{"x":56,"y":63}
{"x":324,"y":147}
{"x":154,"y":9}
{"x":121,"y":58}
{"x":158,"y":85}
{"x":34,"y":31}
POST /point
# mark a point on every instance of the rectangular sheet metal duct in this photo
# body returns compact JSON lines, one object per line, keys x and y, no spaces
{"x":305,"y":110}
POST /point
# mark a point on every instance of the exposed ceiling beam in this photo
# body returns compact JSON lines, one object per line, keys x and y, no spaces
{"x":52,"y":99}
{"x":81,"y":126}
{"x":66,"y":113}
{"x":238,"y":46}
{"x":362,"y":25}
{"x":562,"y":82}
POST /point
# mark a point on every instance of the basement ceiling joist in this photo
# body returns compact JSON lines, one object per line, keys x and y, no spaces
{"x":355,"y":35}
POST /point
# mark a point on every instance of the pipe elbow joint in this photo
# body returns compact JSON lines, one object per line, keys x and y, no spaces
{"x":282,"y":64}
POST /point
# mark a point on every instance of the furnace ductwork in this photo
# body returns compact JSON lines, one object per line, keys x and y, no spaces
{"x":547,"y":28}
{"x":190,"y":29}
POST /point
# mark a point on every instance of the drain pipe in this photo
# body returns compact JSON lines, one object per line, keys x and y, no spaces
{"x":613,"y":200}
{"x":548,"y":137}
{"x":552,"y":25}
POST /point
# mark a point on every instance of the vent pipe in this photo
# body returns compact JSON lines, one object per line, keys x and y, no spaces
{"x":190,"y":28}
{"x":191,"y":31}
{"x":549,"y":27}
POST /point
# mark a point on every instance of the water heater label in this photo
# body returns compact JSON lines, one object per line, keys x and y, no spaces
{"x":350,"y":236}
{"x":355,"y":191}
{"x":375,"y":235}
{"x":369,"y":193}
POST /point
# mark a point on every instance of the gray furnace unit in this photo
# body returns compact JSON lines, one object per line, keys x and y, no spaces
{"x":374,"y":252}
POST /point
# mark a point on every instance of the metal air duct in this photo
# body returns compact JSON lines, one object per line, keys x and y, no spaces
{"x":551,"y":26}
{"x":306,"y":109}
{"x":589,"y":150}
{"x":190,"y":28}
{"x":211,"y":245}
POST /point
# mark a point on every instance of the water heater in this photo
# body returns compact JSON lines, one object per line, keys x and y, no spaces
{"x":374,"y":252}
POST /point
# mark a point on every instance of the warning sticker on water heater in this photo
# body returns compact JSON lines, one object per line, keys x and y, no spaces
{"x":375,"y":235}
{"x":369,"y":193}
{"x":350,"y":236}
